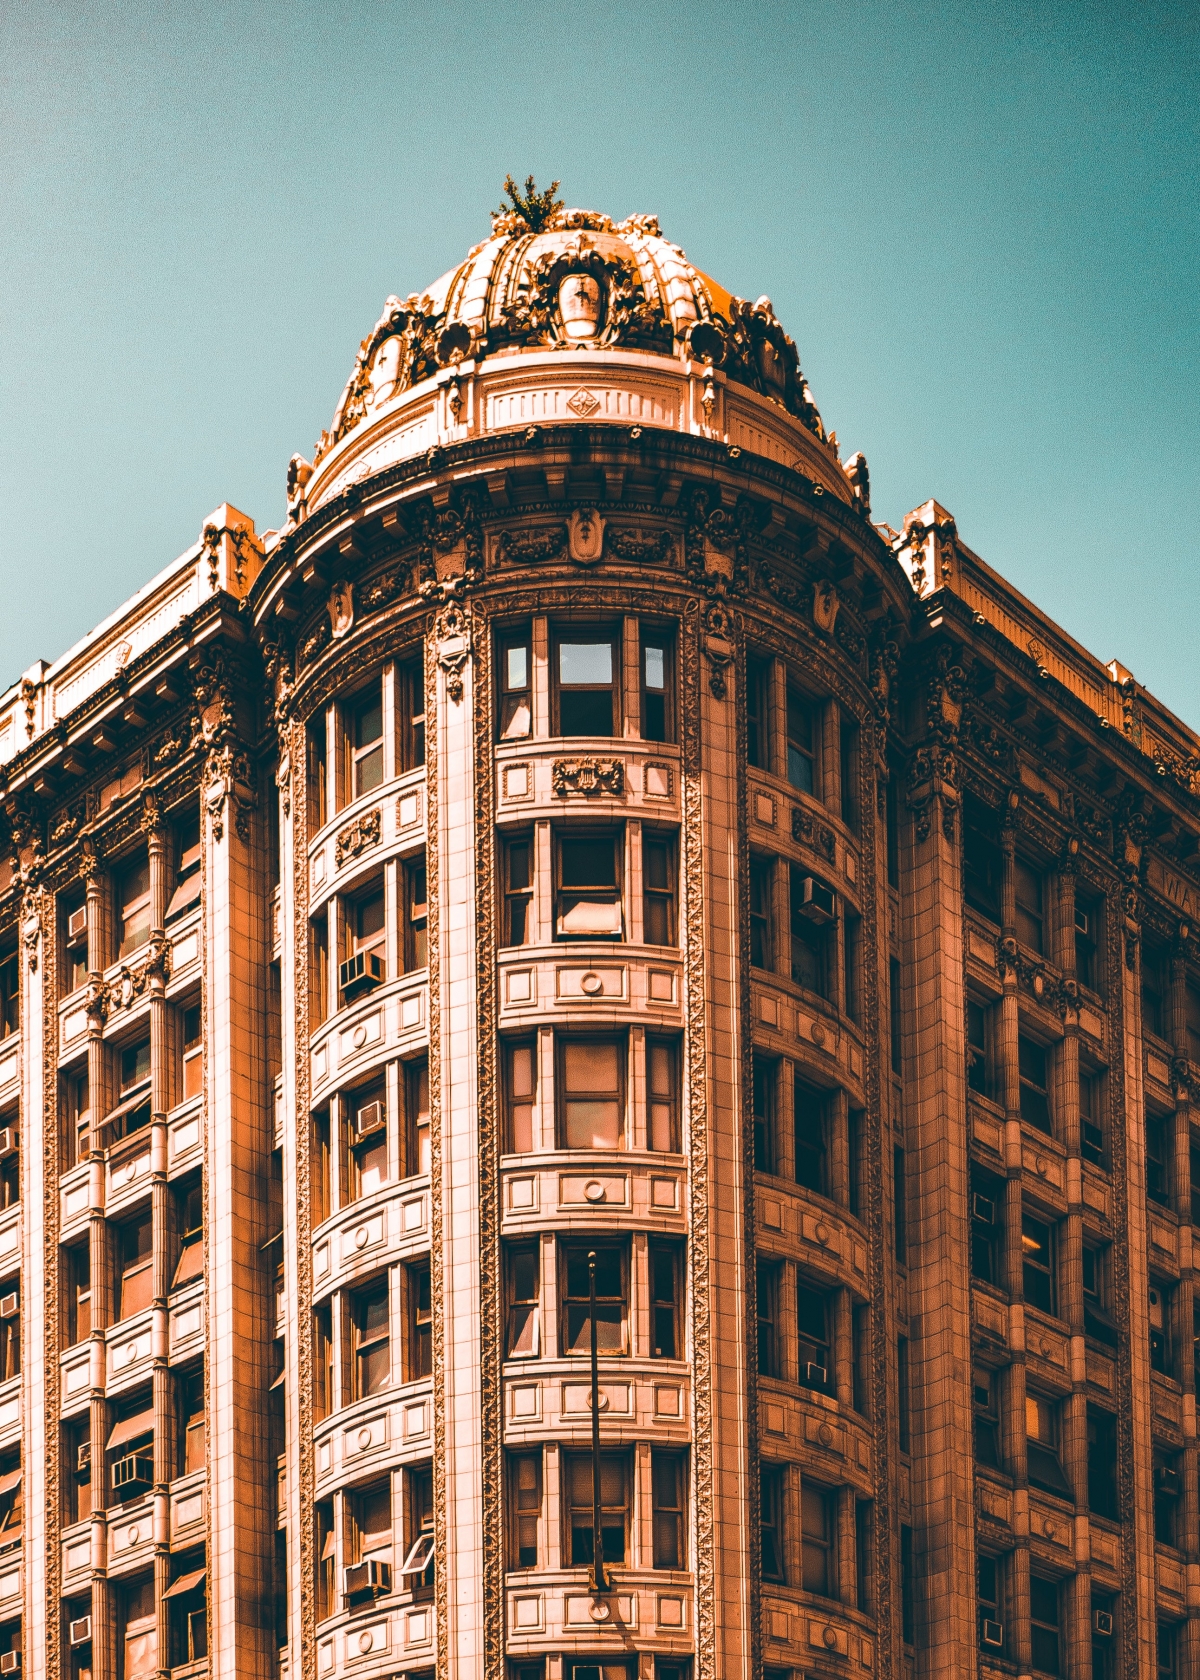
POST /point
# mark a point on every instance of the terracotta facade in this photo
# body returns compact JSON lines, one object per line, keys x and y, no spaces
{"x":581,"y":831}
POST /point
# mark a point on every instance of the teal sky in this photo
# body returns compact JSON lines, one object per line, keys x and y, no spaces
{"x":978,"y":222}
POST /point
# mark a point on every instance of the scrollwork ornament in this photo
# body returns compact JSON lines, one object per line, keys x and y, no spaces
{"x":719,"y":646}
{"x":228,"y":778}
{"x":524,"y":548}
{"x":31,"y":928}
{"x":452,"y":640}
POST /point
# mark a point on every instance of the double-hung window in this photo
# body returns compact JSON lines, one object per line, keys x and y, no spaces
{"x":364,"y":730}
{"x":586,"y":665}
{"x":658,"y":888}
{"x":516,"y":692}
{"x":420,"y":1322}
{"x":520,"y":1091}
{"x":1042,"y":1445}
{"x":133,"y":905}
{"x":589,"y":886}
{"x":662,"y":1095}
{"x":668,"y":1492}
{"x":525,"y":1506}
{"x":612,"y":1301}
{"x":137,"y":1266}
{"x":818,"y":1539}
{"x":802,"y":742}
{"x":1033,"y":1067}
{"x":811,"y":1129}
{"x":614,"y":1506}
{"x":410,"y":715}
{"x":416,"y":915}
{"x":518,"y":888}
{"x":812,"y":1325}
{"x":1037,"y":1264}
{"x":666,"y":1285}
{"x":416,"y":1105}
{"x":523,"y":1339}
{"x":370,"y":1319}
{"x":1029,"y":909}
{"x":592,"y":1093}
{"x":658,"y":668}
{"x":762,"y":876}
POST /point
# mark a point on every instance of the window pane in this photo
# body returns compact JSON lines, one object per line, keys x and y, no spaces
{"x":588,"y":863}
{"x":585,"y":662}
{"x":591,"y":1067}
{"x":516,"y":668}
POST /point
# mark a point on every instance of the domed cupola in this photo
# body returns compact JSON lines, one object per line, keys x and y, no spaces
{"x":611,"y":324}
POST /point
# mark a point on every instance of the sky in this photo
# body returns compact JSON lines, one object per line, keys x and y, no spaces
{"x":978,"y":222}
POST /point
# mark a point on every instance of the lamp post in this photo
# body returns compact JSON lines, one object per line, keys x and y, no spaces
{"x":598,"y":1582}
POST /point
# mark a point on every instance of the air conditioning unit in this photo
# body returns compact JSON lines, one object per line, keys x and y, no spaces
{"x":1102,"y":1622}
{"x":1083,"y":922}
{"x":77,"y":925}
{"x":371,"y":1117}
{"x":83,"y":1457}
{"x":1166,"y":1481}
{"x":817,"y":901}
{"x":983,"y":1210}
{"x":10,"y":1304}
{"x":8,"y":1142}
{"x":359,"y":974}
{"x":816,"y":1374}
{"x":135,"y":1470}
{"x":367,"y":1580}
{"x":992,"y":1633}
{"x":10,"y":1662}
{"x":80,"y":1632}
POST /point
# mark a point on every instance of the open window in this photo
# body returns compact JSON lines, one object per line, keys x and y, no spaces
{"x":417,"y":1570}
{"x":523,"y":1288}
{"x":130,"y":1450}
{"x":135,"y":1252}
{"x":612,"y":1298}
{"x":366,"y":1125}
{"x":614,"y":1506}
{"x":192,"y":1423}
{"x":658,"y":685}
{"x":187,"y":1609}
{"x":525,"y":1509}
{"x":189,"y":1222}
{"x":515,"y":678}
{"x":364,"y":741}
{"x":589,"y":870}
{"x":133,"y":905}
{"x":660,"y":891}
{"x":410,"y":715}
{"x":187,"y":868}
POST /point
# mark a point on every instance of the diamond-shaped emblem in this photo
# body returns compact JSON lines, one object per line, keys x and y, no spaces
{"x":583,"y":403}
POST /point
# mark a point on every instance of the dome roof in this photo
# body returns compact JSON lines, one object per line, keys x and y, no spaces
{"x":566,"y":286}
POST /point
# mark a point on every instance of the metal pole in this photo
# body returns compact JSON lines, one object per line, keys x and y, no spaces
{"x":599,"y":1584}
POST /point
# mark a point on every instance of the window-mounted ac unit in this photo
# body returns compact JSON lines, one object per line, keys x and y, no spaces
{"x":10,"y":1662}
{"x":8,"y":1142}
{"x":1166,"y":1481}
{"x":371,"y":1117}
{"x":77,"y":926}
{"x":1102,"y":1622}
{"x":817,"y":1374}
{"x":816,"y":901}
{"x":370,"y":1579}
{"x":1083,"y":922}
{"x":83,"y":1457}
{"x":983,"y":1210}
{"x":992,"y":1634}
{"x":10,"y":1304}
{"x":133,"y":1471}
{"x":359,"y":974}
{"x":80,"y":1632}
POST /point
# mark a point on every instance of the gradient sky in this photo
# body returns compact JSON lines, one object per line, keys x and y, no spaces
{"x":978,"y":222}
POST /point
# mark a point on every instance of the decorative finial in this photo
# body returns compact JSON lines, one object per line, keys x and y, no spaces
{"x":536,"y":209}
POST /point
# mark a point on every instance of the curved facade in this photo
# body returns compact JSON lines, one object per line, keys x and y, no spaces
{"x":582,"y":848}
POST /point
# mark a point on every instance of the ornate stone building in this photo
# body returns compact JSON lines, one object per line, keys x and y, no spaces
{"x":581,"y":876}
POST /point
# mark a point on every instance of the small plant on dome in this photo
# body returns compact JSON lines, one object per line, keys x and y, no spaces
{"x":530,"y":211}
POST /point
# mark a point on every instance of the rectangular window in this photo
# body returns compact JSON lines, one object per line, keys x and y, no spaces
{"x":662,"y":1096}
{"x":319,"y":991}
{"x":1102,"y":1463}
{"x":371,"y":1524}
{"x":1087,"y":942}
{"x":326,"y":1555}
{"x":803,"y":726}
{"x":420,"y":1323}
{"x":589,"y":886}
{"x":79,"y":1293}
{"x":810,"y":1121}
{"x":1044,"y":1625}
{"x":410,"y":715}
{"x":10,"y":994}
{"x":193,"y":1054}
{"x":989,"y":1592}
{"x":666,"y":1293}
{"x":324,"y":1399}
{"x":10,"y":1329}
{"x":1104,"y":1628}
{"x":525,"y":1506}
{"x":321,"y":1167}
{"x":1160,"y":1300}
{"x":1191,"y":1020}
{"x":417,"y":1570}
{"x":892,"y":825}
{"x":810,"y":940}
{"x":1027,"y":882}
{"x":903,"y":1407}
{"x":987,"y":1226}
{"x":1037,"y":1264}
{"x":899,"y":1205}
{"x":591,"y":1078}
{"x":78,"y":1114}
{"x":367,"y":1139}
{"x":978,"y":1079}
{"x":318,"y":774}
{"x":136,"y":1283}
{"x":769,"y":1274}
{"x":771,"y":1501}
{"x":812,"y":1327}
{"x":897,"y":1045}
{"x":667,"y":1481}
{"x":518,"y":889}
{"x":1159,"y":1144}
{"x":818,"y":1527}
{"x":1168,"y":1486}
{"x":848,"y":749}
{"x":612,"y":1304}
{"x":1155,"y":987}
{"x":1033,"y":1066}
{"x":658,"y":670}
{"x":416,"y":915}
{"x":516,"y":692}
{"x":658,"y":888}
{"x":364,"y":730}
{"x":585,"y":663}
{"x":520,"y":1090}
{"x":864,"y":1522}
{"x":524,"y":1339}
{"x":416,"y":1103}
{"x":986,"y":1393}
{"x":1166,"y":1638}
{"x":189,"y":1410}
{"x":1097,"y":1322}
{"x":371,"y":1333}
{"x":983,"y":862}
{"x":133,"y":906}
{"x":908,"y":1619}
{"x":1042,"y":1445}
{"x":614,"y":1506}
{"x":762,"y":876}
{"x":1091,"y":1117}
{"x":75,"y":942}
{"x":365,"y":931}
{"x":763,"y":1079}
{"x":758,"y":712}
{"x":851,"y":939}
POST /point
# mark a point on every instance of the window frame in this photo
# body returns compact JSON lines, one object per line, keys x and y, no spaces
{"x":672,"y":1482}
{"x":365,"y":1344}
{"x":572,"y":1246}
{"x":611,"y":1458}
{"x":523,"y":1317}
{"x":661,"y":900}
{"x":564,"y":1096}
{"x":514,"y":700}
{"x":594,"y":895}
{"x":588,"y":635}
{"x":519,"y":901}
{"x":650,"y":640}
{"x":351,"y":710}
